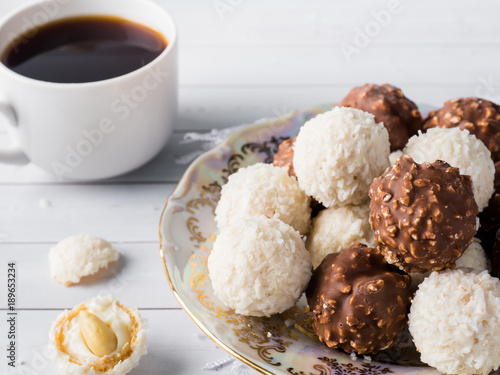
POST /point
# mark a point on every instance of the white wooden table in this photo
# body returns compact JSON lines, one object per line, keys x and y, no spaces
{"x":239,"y":61}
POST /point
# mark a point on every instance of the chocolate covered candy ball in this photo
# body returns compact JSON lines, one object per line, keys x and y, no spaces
{"x":359,"y":302}
{"x":388,"y":104}
{"x":424,"y":215}
{"x":284,"y":156}
{"x":479,"y":116}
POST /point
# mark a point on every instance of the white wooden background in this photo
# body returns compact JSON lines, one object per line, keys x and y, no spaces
{"x":258,"y":59}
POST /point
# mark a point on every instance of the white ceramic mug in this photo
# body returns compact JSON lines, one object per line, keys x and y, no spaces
{"x":91,"y":130}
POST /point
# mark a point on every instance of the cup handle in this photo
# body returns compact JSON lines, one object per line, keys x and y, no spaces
{"x":13,"y":154}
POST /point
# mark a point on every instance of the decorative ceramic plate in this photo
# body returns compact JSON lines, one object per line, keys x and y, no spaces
{"x":284,"y":343}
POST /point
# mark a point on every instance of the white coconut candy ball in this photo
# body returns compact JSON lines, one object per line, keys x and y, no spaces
{"x":259,"y":266}
{"x":79,"y":256}
{"x":455,"y":322}
{"x":460,"y":149}
{"x":337,"y":155}
{"x":474,"y":258}
{"x":336,"y":228}
{"x":263,"y":189}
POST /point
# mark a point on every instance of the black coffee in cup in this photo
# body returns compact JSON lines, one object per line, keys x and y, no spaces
{"x":83,"y":49}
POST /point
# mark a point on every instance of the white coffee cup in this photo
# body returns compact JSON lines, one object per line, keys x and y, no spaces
{"x":91,"y":130}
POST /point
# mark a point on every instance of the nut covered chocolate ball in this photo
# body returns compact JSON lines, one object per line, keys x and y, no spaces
{"x":461,"y":150}
{"x":359,"y":302}
{"x":284,"y":156}
{"x":424,"y":215}
{"x":479,"y":116}
{"x":388,"y":104}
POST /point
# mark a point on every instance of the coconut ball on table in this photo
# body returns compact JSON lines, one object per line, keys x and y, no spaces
{"x":461,"y":150}
{"x":455,"y":322}
{"x":337,"y":228}
{"x":337,"y":155}
{"x":263,"y":189}
{"x":78,"y":256}
{"x":259,"y":266}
